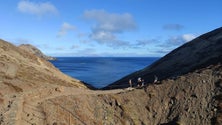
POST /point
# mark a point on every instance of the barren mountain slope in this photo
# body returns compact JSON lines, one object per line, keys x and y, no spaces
{"x":200,"y":52}
{"x":191,"y":99}
{"x":21,"y":73}
{"x":24,"y":70}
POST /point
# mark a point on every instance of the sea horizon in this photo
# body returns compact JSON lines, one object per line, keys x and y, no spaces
{"x":107,"y":56}
{"x":101,"y":71}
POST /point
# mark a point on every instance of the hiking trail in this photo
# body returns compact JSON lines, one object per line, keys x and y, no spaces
{"x":25,"y":108}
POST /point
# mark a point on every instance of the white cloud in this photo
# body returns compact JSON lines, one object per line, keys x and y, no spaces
{"x":85,"y":41}
{"x":111,"y":22}
{"x":188,"y":37}
{"x":78,"y":53}
{"x":20,"y":41}
{"x":174,"y":42}
{"x":60,"y":48}
{"x":145,"y":42}
{"x":39,"y":9}
{"x":108,"y":25}
{"x":103,"y":36}
{"x":173,"y":27}
{"x":81,"y":35}
{"x":65,"y":28}
{"x":162,"y":51}
{"x":74,"y":47}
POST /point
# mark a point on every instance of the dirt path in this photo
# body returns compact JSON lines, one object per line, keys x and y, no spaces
{"x":26,"y":109}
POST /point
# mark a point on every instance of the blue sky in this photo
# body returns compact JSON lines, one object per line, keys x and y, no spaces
{"x":107,"y":27}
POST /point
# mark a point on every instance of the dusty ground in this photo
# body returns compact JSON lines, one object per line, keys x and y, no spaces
{"x":27,"y":107}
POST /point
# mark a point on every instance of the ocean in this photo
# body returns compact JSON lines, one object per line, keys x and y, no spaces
{"x":101,"y":71}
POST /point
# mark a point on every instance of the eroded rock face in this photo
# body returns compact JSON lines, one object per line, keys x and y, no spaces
{"x":31,"y":49}
{"x":198,"y":53}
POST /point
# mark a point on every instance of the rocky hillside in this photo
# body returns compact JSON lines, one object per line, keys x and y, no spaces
{"x":31,"y":49}
{"x":33,"y":92}
{"x":192,"y":99}
{"x":189,"y":94}
{"x":198,"y":53}
{"x":22,"y":72}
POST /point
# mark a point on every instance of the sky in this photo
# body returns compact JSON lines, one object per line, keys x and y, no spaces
{"x":107,"y":28}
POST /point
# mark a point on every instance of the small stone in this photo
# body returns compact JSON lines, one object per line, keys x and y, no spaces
{"x":215,"y":109}
{"x":59,"y":89}
{"x":193,"y":116}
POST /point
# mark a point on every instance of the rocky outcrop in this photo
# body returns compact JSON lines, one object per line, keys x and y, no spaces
{"x":31,"y":49}
{"x":198,"y":53}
